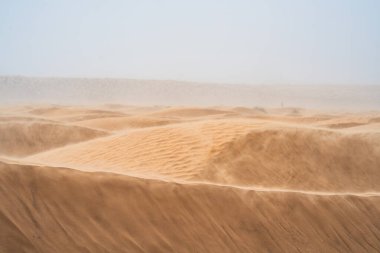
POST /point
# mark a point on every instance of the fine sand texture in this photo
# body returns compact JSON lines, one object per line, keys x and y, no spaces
{"x":118,"y":178}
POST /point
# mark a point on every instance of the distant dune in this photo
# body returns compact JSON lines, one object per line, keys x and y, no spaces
{"x":25,"y":138}
{"x":120,"y":178}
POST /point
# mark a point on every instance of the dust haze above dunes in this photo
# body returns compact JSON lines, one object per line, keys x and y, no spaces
{"x":54,"y":90}
{"x":121,"y":178}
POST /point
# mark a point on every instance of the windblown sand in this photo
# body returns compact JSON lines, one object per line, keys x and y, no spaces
{"x":117,"y":178}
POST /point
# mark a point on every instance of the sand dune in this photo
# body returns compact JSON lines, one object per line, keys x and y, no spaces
{"x":118,"y":178}
{"x":233,"y":152}
{"x":120,"y":123}
{"x":110,"y":213}
{"x":178,"y":151}
{"x":70,"y":114}
{"x":297,"y":159}
{"x":25,"y":138}
{"x":190,"y":112}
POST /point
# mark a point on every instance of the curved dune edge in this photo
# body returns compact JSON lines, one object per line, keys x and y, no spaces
{"x":233,"y":152}
{"x":71,"y":114}
{"x":296,"y":158}
{"x":26,"y":138}
{"x":159,"y":178}
{"x":121,"y":123}
{"x":189,"y":179}
{"x":64,"y":210}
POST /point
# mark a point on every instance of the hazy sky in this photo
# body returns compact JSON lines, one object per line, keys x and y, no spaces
{"x":237,"y":41}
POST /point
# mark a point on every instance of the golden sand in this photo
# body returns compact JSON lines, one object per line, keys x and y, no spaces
{"x":181,"y":179}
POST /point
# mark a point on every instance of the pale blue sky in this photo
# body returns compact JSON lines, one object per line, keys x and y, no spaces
{"x":236,"y":41}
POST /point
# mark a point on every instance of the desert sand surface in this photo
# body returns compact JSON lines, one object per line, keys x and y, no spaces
{"x":122,"y":178}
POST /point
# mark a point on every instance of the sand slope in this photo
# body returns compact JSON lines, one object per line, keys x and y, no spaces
{"x":305,"y":159}
{"x":118,"y":178}
{"x":25,"y":138}
{"x":237,"y":152}
{"x":109,"y":213}
{"x":122,"y":123}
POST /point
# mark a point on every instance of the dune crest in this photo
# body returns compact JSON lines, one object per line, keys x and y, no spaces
{"x":118,"y":178}
{"x":240,"y":152}
{"x":128,"y":214}
{"x":26,"y":138}
{"x":304,"y":159}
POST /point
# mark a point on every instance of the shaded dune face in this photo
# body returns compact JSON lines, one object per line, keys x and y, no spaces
{"x":100,"y":212}
{"x":297,"y":159}
{"x":156,"y":179}
{"x":21,"y":139}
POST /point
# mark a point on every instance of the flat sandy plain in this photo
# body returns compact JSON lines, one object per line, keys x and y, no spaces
{"x":117,"y":178}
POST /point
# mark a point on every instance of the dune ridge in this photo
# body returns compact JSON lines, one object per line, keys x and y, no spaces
{"x":174,"y":217}
{"x":118,"y":178}
{"x":233,"y":152}
{"x":26,"y":138}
